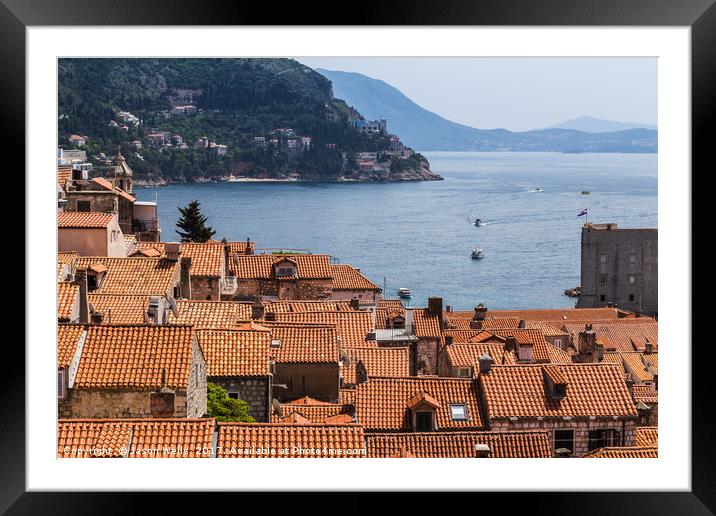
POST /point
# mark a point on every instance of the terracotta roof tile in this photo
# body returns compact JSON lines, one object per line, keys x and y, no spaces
{"x":443,"y":445}
{"x":385,"y":303}
{"x":382,"y":403}
{"x":120,"y":308}
{"x":426,"y":324}
{"x":623,"y":452}
{"x":643,"y":367}
{"x":474,"y":336}
{"x":500,"y":323}
{"x":352,"y":327}
{"x":137,"y":438}
{"x":308,"y":306}
{"x":261,"y":266}
{"x":468,"y":355}
{"x":207,"y":258}
{"x":646,"y":394}
{"x":384,"y":316}
{"x":68,"y":336}
{"x":134,"y":276}
{"x":303,"y":343}
{"x":247,"y":440}
{"x":647,"y":436}
{"x":592,"y":390}
{"x":108,"y":185}
{"x":64,"y":174}
{"x":394,"y":362}
{"x":456,"y":321}
{"x":66,"y":264}
{"x":347,"y":277}
{"x":211,"y":314}
{"x":621,"y":337}
{"x":132,"y":357}
{"x":67,"y":298}
{"x":235,"y":352}
{"x":84,"y":219}
{"x":559,"y":314}
{"x":316,"y":412}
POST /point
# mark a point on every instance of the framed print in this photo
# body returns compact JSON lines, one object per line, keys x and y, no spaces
{"x":431,"y":241}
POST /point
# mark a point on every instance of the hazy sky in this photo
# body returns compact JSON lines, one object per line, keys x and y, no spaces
{"x":516,"y":93}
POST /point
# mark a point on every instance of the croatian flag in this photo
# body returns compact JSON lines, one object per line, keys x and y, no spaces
{"x":583,"y":212}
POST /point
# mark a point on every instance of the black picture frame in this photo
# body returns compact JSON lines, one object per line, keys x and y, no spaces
{"x":17,"y":15}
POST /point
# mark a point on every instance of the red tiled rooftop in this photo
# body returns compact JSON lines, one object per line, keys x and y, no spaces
{"x":83,"y":219}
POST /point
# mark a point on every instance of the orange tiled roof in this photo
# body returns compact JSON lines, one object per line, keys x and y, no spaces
{"x":455,"y":321}
{"x":426,"y":324}
{"x":308,"y":306}
{"x":303,"y":343}
{"x":211,"y":314}
{"x":474,"y":336}
{"x":315,"y":412}
{"x":347,"y":277}
{"x":394,"y":362}
{"x":443,"y":445}
{"x":107,"y":185}
{"x":132,"y":357}
{"x":247,"y":440}
{"x":384,"y":315}
{"x":261,"y":266}
{"x":500,"y":323}
{"x":135,"y":276}
{"x":137,"y":438}
{"x":207,"y":258}
{"x":560,"y":314}
{"x":623,"y":452}
{"x":64,"y":174}
{"x":646,"y":394}
{"x":84,"y":219}
{"x":468,"y":355}
{"x":235,"y":352}
{"x":347,"y":396}
{"x":621,"y":337}
{"x":382,"y":403}
{"x":241,"y":247}
{"x":548,"y":329}
{"x":120,"y":308}
{"x":592,"y":390}
{"x":390,"y":303}
{"x":66,"y":264}
{"x":68,"y":336}
{"x":67,"y":295}
{"x":352,"y":327}
{"x":642,"y":366}
{"x":647,"y":436}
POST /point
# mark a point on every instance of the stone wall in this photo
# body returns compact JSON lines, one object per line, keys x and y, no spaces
{"x":248,"y":289}
{"x":428,"y":348}
{"x":105,"y":403}
{"x":580,"y":426}
{"x":206,"y":288}
{"x":318,"y":381}
{"x":255,"y":390}
{"x":196,"y":391}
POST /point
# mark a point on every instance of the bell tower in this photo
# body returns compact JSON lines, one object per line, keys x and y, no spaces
{"x":120,"y":174}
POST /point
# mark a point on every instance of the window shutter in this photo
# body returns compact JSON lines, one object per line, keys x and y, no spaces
{"x":61,"y":384}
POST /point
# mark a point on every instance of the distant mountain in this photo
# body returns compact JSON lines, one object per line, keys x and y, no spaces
{"x":590,"y":124}
{"x":427,"y":131}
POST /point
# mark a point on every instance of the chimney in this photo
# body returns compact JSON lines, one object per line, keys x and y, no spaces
{"x":648,"y":347}
{"x":563,"y":452}
{"x":81,"y":280}
{"x":435,"y":306}
{"x":485,"y":364}
{"x":96,"y":318}
{"x":478,"y":317}
{"x":522,"y":325}
{"x":448,"y":340}
{"x":482,"y":451}
{"x":227,"y":260}
{"x":172,"y":251}
{"x":448,"y":308}
{"x":156,"y":311}
{"x":185,"y":285}
{"x":248,"y":247}
{"x":257,"y":309}
{"x":270,"y":316}
{"x":355,"y":304}
{"x":510,"y":343}
{"x":161,"y":402}
{"x":361,"y":373}
{"x":589,"y":350}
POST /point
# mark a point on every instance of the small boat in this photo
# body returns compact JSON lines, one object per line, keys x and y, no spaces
{"x":538,"y":189}
{"x":404,"y":293}
{"x":478,"y":223}
{"x":586,"y":192}
{"x":477,"y":253}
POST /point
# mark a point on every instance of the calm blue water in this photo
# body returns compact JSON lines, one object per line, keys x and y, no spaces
{"x":419,"y":235}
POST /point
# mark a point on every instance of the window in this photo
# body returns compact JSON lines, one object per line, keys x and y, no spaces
{"x":92,"y":282}
{"x":84,"y":206}
{"x":632,"y":259}
{"x":602,"y":297}
{"x":61,"y":386}
{"x":602,"y":278}
{"x":564,"y":439}
{"x":424,"y":422}
{"x":602,"y":438}
{"x":558,"y":342}
{"x":197,"y":370}
{"x":632,"y":280}
{"x":458,"y":412}
{"x":631,"y":297}
{"x":233,"y":395}
{"x":602,"y":258}
{"x":463,"y":372}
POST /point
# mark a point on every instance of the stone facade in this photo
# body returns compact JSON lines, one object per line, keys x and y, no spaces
{"x":320,"y":381}
{"x":104,"y":201}
{"x":206,"y":288}
{"x":425,"y":361}
{"x":581,"y":426}
{"x":283,"y":290}
{"x":254,"y":390}
{"x":619,"y":266}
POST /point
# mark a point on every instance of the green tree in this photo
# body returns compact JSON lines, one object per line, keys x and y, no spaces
{"x":223,"y":408}
{"x":193,"y":224}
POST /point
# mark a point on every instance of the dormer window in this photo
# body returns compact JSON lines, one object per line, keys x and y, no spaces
{"x":424,"y":421}
{"x":285,"y":268}
{"x":275,"y":343}
{"x":458,"y":412}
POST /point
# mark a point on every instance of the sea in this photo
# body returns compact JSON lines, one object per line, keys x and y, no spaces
{"x":420,"y":235}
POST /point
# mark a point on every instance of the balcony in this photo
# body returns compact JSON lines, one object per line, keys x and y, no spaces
{"x":141,"y":225}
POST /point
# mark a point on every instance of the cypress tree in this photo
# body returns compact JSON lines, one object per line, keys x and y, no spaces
{"x":193,"y":224}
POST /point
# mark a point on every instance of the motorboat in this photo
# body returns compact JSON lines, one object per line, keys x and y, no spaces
{"x":477,"y":254}
{"x":404,"y":293}
{"x":478,"y":223}
{"x":586,"y":192}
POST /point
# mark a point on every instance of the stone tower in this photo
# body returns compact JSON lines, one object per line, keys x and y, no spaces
{"x":120,"y":174}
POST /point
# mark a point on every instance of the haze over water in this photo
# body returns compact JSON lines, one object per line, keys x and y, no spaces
{"x":419,"y":235}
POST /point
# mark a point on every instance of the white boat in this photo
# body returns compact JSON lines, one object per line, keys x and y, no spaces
{"x":404,"y":292}
{"x":477,"y":253}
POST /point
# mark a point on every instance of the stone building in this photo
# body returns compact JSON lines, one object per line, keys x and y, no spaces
{"x":619,"y":267}
{"x":282,"y":277}
{"x":238,"y":361}
{"x":306,"y":361}
{"x":90,"y":234}
{"x":583,"y":406}
{"x":132,"y":371}
{"x":348,"y":284}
